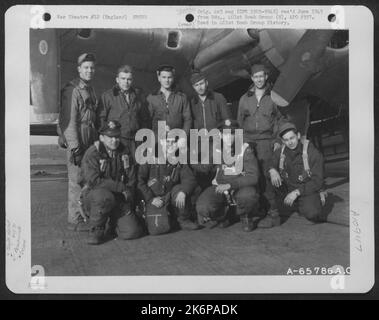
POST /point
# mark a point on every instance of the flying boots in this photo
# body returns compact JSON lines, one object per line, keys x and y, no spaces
{"x":184,"y":220}
{"x":186,"y":224}
{"x":272,"y":219}
{"x":247,"y":223}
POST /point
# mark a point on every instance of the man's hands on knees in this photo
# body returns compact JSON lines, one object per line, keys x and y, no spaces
{"x":276,"y":180}
{"x":323,"y":196}
{"x":291,"y":198}
{"x":157,"y":202}
{"x":221,"y":188}
{"x":180,"y":200}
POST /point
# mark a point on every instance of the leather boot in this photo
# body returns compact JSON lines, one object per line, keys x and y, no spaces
{"x":225,"y":222}
{"x":188,"y":225}
{"x":247,"y":223}
{"x":272,"y":219}
{"x":184,"y":220}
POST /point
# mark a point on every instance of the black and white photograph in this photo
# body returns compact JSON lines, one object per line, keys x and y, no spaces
{"x":189,"y":152}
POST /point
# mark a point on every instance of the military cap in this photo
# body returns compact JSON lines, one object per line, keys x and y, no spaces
{"x":228,"y":124}
{"x":285,"y":127}
{"x":197,"y":76}
{"x":165,"y":67}
{"x":86,"y":57}
{"x":111,"y":129}
{"x":258,"y":68}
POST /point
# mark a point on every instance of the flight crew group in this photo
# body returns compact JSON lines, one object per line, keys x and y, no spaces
{"x":281,"y":171}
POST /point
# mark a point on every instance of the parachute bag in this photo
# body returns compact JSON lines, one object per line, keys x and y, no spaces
{"x":129,"y":226}
{"x":157,"y":220}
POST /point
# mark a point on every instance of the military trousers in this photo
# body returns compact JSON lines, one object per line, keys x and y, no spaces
{"x":264,"y":152}
{"x":74,"y":189}
{"x":212,"y":205}
{"x":105,"y":206}
{"x":309,"y":206}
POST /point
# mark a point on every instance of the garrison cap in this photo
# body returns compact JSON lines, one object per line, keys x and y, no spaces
{"x":111,"y":129}
{"x":165,"y":67}
{"x":197,"y":76}
{"x":258,"y":68}
{"x":285,"y":127}
{"x":228,"y":124}
{"x":86,"y":57}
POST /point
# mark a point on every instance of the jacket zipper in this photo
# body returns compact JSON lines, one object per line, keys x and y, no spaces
{"x":258,"y":105}
{"x":204,"y":120}
{"x":256,"y":121}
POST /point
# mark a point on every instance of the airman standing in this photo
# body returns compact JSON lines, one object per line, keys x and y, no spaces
{"x":77,"y":120}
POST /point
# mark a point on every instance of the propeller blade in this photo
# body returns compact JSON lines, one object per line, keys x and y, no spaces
{"x":303,"y":62}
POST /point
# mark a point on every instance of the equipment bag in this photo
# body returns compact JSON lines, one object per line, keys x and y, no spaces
{"x":157,"y":220}
{"x":129,"y":226}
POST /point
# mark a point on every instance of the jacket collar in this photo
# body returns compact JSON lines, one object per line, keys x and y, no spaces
{"x":297,"y":151}
{"x":81,"y":84}
{"x":210,"y":95}
{"x":159,"y":92}
{"x":116,"y":90}
{"x":104,"y":153}
{"x":251,"y":90}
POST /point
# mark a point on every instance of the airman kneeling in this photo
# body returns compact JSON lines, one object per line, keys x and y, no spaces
{"x":110,"y":181}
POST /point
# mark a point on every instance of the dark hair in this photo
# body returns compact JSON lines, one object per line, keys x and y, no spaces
{"x":125,"y":68}
{"x":295,"y":131}
{"x":167,"y":69}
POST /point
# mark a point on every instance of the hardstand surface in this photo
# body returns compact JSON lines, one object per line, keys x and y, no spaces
{"x":296,"y":244}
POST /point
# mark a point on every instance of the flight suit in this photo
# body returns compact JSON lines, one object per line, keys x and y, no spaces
{"x":77,"y":121}
{"x":166,"y":181}
{"x":176,"y":111}
{"x":204,"y":172}
{"x":129,"y":109}
{"x":211,"y":112}
{"x":107,"y":176}
{"x":295,"y":176}
{"x":243,"y":188}
{"x":260,"y":122}
{"x":207,"y":115}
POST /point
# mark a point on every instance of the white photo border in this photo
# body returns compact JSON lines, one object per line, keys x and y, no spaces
{"x":357,"y":19}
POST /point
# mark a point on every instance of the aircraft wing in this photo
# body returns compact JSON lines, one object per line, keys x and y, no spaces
{"x":300,"y":61}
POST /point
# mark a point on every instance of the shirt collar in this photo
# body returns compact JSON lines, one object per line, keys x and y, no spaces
{"x":82,"y":84}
